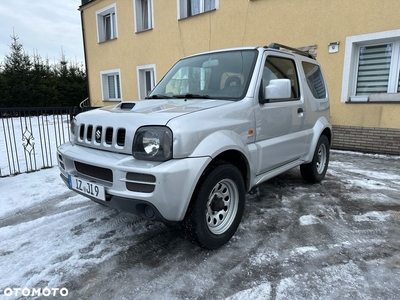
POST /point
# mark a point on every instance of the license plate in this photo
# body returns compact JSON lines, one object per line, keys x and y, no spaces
{"x":87,"y":187}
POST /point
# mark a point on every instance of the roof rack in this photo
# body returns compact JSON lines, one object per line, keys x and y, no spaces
{"x":279,"y":46}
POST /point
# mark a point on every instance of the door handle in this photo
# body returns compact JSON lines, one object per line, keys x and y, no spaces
{"x":300,"y":110}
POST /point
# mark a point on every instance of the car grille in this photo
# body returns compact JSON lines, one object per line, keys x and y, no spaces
{"x":99,"y":135}
{"x":95,"y":172}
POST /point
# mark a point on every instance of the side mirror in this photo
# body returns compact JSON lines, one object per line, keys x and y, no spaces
{"x":277,"y":89}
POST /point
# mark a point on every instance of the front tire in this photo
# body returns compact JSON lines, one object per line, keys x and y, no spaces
{"x":315,"y":171}
{"x":216,"y":208}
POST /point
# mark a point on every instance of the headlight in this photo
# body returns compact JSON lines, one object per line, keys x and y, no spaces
{"x":73,"y":128}
{"x":153,"y":143}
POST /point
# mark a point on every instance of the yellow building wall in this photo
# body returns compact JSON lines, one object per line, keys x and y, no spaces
{"x":242,"y":23}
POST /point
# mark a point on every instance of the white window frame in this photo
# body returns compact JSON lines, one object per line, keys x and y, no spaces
{"x":182,"y":8}
{"x":100,"y":22}
{"x":351,"y":61}
{"x":138,"y":17}
{"x":141,"y":75}
{"x":104,"y":84}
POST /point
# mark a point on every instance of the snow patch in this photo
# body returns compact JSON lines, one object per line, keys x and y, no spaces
{"x":260,"y":292}
{"x":262,"y":258}
{"x":28,"y":189}
{"x":373,"y":216}
{"x":78,"y":199}
{"x":309,"y":220}
{"x":327,"y":283}
{"x":378,"y":156}
{"x":375,"y":174}
{"x":369,"y":184}
{"x":302,"y":250}
{"x":345,"y":244}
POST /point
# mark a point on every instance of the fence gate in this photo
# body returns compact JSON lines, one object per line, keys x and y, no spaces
{"x":29,"y":137}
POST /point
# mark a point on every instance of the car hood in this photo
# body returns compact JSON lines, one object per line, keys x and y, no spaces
{"x":113,"y":128}
{"x":161,"y":111}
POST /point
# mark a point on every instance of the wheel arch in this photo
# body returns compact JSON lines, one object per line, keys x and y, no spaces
{"x":328,"y":133}
{"x":322,"y":127}
{"x":233,"y":152}
{"x":233,"y":157}
{"x":237,"y":159}
{"x":195,"y":226}
{"x":227,"y":146}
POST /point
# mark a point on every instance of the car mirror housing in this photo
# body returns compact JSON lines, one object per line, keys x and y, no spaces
{"x":277,"y":89}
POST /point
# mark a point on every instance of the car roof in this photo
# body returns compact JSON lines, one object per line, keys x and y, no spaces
{"x":273,"y":46}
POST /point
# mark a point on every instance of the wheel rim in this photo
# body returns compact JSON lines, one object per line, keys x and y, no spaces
{"x":222,"y":206}
{"x":321,"y":158}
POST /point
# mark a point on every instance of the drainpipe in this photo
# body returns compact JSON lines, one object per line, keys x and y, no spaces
{"x":85,"y":55}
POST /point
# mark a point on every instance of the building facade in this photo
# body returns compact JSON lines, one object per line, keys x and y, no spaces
{"x":130,"y":44}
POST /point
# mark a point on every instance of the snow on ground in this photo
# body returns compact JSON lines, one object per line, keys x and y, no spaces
{"x":336,"y":240}
{"x":309,"y":220}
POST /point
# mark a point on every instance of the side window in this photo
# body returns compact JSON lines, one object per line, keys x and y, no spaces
{"x":315,"y":80}
{"x":281,"y":68}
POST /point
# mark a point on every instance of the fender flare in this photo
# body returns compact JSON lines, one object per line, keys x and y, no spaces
{"x":219,"y":142}
{"x":222,"y":141}
{"x":320,"y":126}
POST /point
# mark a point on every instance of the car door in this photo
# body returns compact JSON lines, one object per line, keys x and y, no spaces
{"x":281,"y":128}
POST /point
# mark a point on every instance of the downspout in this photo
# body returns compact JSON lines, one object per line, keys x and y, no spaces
{"x":85,"y":57}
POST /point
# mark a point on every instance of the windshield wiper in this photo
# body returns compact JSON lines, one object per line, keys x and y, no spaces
{"x":191,"y":96}
{"x":158,"y":96}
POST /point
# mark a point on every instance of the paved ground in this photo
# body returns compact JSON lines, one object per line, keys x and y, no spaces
{"x":336,"y":240}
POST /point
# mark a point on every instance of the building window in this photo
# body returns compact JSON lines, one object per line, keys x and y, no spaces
{"x":143,"y":15}
{"x":371,"y":68}
{"x":111,"y":85}
{"x":106,"y":19}
{"x":374,"y":69}
{"x":146,"y":79}
{"x":188,"y":8}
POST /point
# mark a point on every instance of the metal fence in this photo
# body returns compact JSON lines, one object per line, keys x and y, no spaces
{"x":29,"y":137}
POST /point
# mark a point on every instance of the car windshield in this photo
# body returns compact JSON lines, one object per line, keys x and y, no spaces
{"x":220,"y":75}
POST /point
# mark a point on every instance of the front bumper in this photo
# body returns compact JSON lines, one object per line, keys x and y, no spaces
{"x":154,"y":190}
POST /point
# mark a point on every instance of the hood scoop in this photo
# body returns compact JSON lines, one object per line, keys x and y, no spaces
{"x":126,"y":106}
{"x":145,"y":106}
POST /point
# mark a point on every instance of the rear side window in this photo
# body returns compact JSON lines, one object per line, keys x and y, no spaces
{"x":315,"y":80}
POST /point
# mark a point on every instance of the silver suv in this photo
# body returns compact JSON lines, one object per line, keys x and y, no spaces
{"x":215,"y":126}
